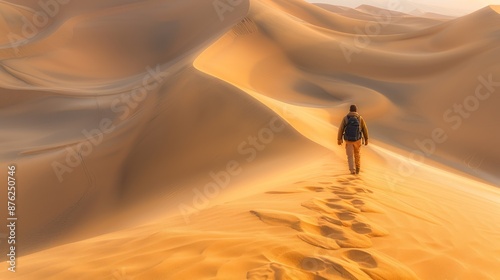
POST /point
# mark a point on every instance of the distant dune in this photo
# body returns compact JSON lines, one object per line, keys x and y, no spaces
{"x":399,"y":22}
{"x":197,"y":140}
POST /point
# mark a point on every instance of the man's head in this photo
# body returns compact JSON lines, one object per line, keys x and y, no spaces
{"x":353,"y":108}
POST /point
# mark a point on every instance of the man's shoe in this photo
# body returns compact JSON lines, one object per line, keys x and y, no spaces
{"x":353,"y":173}
{"x":357,"y":170}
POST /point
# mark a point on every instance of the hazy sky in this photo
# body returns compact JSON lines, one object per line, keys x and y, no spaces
{"x":454,"y":7}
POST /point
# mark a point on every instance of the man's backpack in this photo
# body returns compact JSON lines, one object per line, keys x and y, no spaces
{"x":352,"y":131}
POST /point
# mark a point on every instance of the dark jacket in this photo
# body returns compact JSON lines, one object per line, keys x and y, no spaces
{"x":364,"y":129}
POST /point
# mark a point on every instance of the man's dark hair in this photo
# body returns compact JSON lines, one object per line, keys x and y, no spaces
{"x":353,"y":108}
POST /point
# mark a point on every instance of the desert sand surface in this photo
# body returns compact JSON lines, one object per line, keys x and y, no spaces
{"x":182,"y":140}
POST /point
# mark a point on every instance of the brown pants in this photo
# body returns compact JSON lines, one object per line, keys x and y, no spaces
{"x":353,"y":157}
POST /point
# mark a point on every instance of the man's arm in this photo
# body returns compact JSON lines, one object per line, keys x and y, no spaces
{"x":364,"y":129}
{"x":341,"y":132}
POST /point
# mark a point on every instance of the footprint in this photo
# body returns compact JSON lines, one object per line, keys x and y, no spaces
{"x":342,"y":180}
{"x":332,"y":232}
{"x":364,"y":259}
{"x":362,"y":228}
{"x":368,"y":206}
{"x":376,"y":230}
{"x":358,"y":203}
{"x":324,"y":268}
{"x":379,"y":266}
{"x":345,"y":237}
{"x":335,"y":270}
{"x":330,"y":220}
{"x":312,"y":264}
{"x":362,"y":190}
{"x":274,"y":271}
{"x":281,"y":192}
{"x":346,"y":216}
{"x":323,"y":207}
{"x":345,"y":191}
{"x":315,"y":189}
{"x":261,"y":273}
{"x":343,"y":206}
{"x":336,"y":189}
{"x":335,"y":206}
{"x":319,"y":241}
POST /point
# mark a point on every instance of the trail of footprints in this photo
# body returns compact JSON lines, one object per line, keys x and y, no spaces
{"x":339,"y":226}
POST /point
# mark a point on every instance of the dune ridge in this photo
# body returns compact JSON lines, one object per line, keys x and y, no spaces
{"x":384,"y":90}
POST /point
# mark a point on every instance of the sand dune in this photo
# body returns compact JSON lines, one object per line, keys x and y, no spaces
{"x":413,"y":66}
{"x":316,"y":224}
{"x":156,"y":140}
{"x":73,"y":105}
{"x":400,"y":22}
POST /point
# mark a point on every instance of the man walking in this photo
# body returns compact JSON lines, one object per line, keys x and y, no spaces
{"x":353,"y":130}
